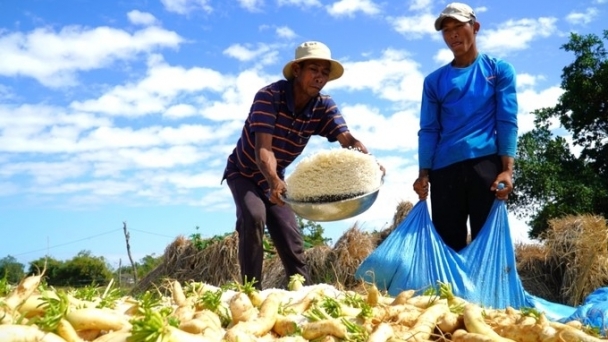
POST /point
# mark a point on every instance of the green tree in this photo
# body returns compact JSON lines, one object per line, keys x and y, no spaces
{"x":85,"y":269}
{"x":49,"y":265}
{"x":312,"y":232}
{"x":11,"y":269}
{"x":147,"y":264}
{"x":550,"y":180}
{"x":144,"y":266}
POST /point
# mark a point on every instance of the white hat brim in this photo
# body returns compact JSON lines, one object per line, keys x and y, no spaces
{"x":337,"y":70}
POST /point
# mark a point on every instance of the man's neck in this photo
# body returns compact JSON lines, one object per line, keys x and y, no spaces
{"x":300,"y":99}
{"x":465,"y":60}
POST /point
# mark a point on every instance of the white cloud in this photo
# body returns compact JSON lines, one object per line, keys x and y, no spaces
{"x":480,"y":9}
{"x":415,"y":27}
{"x":44,"y":172}
{"x":530,"y":100}
{"x":416,"y":5}
{"x":582,"y":18}
{"x":285,"y":32}
{"x":141,"y":18}
{"x":187,"y":6}
{"x":443,"y":56}
{"x":394,"y":76}
{"x":299,"y":3}
{"x":246,"y":53}
{"x":350,"y":7}
{"x":236,"y":98}
{"x":396,"y":132}
{"x":515,"y":35}
{"x":251,"y":5}
{"x":180,"y":111}
{"x":53,"y":58}
{"x":156,"y":92}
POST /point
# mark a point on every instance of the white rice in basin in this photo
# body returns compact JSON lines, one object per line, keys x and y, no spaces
{"x":331,"y":175}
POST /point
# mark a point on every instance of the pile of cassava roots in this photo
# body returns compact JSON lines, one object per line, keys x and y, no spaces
{"x":239,"y":313}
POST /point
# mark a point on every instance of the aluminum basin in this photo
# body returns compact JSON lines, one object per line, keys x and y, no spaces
{"x":333,"y":211}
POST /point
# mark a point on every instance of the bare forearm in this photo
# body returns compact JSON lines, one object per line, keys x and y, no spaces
{"x":267,"y":163}
{"x":508,"y":163}
{"x":347,"y":140}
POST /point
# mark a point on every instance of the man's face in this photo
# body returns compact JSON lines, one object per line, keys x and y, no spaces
{"x":459,"y":36}
{"x":312,"y":75}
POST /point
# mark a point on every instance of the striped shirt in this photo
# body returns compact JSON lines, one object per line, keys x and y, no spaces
{"x":272,"y":112}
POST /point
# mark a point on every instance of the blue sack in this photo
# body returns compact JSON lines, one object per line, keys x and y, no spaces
{"x":415,"y":257}
{"x":491,"y":262}
{"x":593,"y":311}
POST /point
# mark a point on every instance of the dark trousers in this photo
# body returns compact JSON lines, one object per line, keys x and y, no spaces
{"x":461,"y":192}
{"x":254,"y":212}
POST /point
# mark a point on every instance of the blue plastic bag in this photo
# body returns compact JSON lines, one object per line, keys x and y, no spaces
{"x":593,"y":311}
{"x":414,"y":256}
{"x":398,"y":257}
{"x":491,"y":263}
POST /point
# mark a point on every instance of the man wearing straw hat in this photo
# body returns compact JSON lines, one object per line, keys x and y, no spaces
{"x":468,"y":131}
{"x":282,"y":118}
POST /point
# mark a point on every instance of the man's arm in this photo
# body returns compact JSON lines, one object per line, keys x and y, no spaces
{"x":505,"y":177}
{"x":267,"y":163}
{"x":347,"y":140}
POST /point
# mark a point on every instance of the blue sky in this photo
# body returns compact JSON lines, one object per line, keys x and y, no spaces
{"x":125,"y":111}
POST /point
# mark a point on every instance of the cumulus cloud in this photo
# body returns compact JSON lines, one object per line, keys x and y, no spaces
{"x":156,"y":92}
{"x":141,"y":18}
{"x":299,"y":3}
{"x":582,"y":18}
{"x":351,"y":7}
{"x":415,"y":27}
{"x":515,"y":35}
{"x":54,"y":58}
{"x":247,"y":52}
{"x":393,"y":76}
{"x":187,"y":6}
{"x":285,"y":32}
{"x":251,"y":5}
{"x":417,"y":5}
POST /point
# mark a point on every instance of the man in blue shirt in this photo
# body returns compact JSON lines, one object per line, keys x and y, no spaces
{"x":283,"y":117}
{"x":468,"y":131}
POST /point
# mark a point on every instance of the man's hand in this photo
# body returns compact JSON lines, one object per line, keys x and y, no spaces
{"x":505,"y":179}
{"x":421,"y":185}
{"x":347,"y":140}
{"x":277,"y":188}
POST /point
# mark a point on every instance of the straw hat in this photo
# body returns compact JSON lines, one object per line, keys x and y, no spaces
{"x":314,"y":50}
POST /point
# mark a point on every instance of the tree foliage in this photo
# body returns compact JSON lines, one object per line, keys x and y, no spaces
{"x":84,"y":269}
{"x":144,"y":266}
{"x":11,"y":269}
{"x":49,"y":265}
{"x":312,"y":232}
{"x":550,"y":179}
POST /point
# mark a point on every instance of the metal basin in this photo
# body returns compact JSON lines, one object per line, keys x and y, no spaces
{"x":333,"y":211}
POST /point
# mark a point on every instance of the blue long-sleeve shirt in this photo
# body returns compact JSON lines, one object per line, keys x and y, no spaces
{"x":468,"y":113}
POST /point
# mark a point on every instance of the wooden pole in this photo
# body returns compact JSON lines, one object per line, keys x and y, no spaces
{"x":124,"y":227}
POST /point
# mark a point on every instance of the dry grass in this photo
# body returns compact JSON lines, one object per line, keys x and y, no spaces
{"x":535,"y":271}
{"x":578,"y":246}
